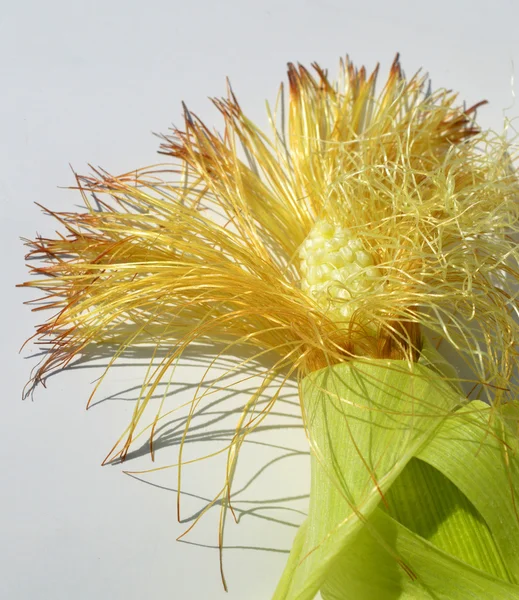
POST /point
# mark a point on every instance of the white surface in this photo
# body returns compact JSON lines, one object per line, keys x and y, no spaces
{"x":87,"y":82}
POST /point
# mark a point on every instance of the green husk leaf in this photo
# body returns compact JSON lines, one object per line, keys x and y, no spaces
{"x":366,"y":570}
{"x":296,"y":555}
{"x":430,"y":505}
{"x":395,"y":511}
{"x":478,"y":452}
{"x":366,"y":421}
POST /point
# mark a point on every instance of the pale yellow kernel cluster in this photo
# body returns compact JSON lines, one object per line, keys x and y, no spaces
{"x":336,"y":270}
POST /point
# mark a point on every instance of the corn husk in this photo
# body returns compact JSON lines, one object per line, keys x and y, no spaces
{"x":413,"y":491}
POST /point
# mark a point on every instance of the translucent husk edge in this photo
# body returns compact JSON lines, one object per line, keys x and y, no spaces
{"x":396,"y":449}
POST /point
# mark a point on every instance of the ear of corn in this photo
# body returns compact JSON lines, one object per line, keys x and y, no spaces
{"x":369,"y":229}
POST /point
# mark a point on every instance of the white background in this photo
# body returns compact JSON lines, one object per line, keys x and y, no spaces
{"x":87,"y":82}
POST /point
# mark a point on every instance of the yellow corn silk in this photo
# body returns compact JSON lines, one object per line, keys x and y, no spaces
{"x":364,"y":248}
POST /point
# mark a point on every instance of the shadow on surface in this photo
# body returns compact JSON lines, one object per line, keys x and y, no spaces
{"x":215,"y":421}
